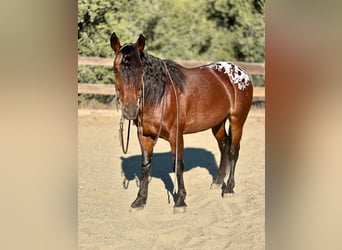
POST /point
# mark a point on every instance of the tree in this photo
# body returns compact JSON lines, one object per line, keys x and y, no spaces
{"x":243,"y":20}
{"x":211,"y":30}
{"x":179,"y":29}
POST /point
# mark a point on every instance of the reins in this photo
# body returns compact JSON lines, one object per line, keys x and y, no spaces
{"x":140,"y":126}
{"x":124,"y":150}
{"x":177,"y":125}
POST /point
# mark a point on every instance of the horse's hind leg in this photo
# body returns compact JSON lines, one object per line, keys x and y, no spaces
{"x":147,"y":150}
{"x":223,"y":142}
{"x":235,"y":133}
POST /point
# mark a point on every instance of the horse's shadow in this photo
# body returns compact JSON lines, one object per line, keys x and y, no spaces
{"x":162,"y":166}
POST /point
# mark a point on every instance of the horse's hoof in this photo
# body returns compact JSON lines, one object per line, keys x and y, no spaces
{"x":227,"y":193}
{"x":136,"y":209}
{"x":179,"y":210}
{"x":215,"y":186}
{"x":139,"y":202}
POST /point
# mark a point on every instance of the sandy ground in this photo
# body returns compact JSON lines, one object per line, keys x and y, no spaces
{"x":108,"y":185}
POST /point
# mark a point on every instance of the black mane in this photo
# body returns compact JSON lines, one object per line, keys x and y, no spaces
{"x":156,"y":77}
{"x":130,"y":65}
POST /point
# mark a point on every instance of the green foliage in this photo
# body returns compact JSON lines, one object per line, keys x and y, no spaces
{"x":243,"y":21}
{"x":211,"y":30}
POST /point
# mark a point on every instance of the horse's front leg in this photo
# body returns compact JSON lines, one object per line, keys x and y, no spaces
{"x":179,"y":167}
{"x":146,"y":144}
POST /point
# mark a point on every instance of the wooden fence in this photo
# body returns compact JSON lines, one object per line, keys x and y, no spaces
{"x":109,"y":89}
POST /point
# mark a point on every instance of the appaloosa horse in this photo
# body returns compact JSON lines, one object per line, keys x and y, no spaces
{"x":167,"y":100}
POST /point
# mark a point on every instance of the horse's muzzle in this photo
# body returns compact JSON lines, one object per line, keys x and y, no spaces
{"x":130,"y":111}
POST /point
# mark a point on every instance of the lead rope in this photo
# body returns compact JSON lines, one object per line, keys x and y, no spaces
{"x":140,"y":128}
{"x":140,"y":102}
{"x":175,"y":185}
{"x":124,"y":150}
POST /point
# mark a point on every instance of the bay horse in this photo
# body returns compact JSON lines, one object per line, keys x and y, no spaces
{"x":166,"y":100}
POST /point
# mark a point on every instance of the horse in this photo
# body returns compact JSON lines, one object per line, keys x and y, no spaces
{"x":166,"y":100}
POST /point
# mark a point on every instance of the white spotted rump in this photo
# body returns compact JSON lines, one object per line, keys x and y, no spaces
{"x":235,"y":73}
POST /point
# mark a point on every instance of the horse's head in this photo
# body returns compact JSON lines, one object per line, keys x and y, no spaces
{"x":128,"y":70}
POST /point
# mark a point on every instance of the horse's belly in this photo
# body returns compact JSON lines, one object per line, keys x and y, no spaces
{"x":196,"y":122}
{"x":206,"y":105}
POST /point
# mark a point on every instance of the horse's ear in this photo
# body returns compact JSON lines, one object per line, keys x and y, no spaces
{"x":115,"y":43}
{"x":140,"y":43}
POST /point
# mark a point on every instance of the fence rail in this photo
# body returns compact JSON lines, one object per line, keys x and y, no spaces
{"x":109,"y":89}
{"x":251,"y":68}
